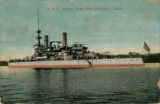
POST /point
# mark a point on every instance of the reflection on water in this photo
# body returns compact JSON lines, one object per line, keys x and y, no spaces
{"x":79,"y":86}
{"x":158,"y":85}
{"x":42,"y":83}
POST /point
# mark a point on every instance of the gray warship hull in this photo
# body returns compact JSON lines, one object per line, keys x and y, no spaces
{"x":122,"y":62}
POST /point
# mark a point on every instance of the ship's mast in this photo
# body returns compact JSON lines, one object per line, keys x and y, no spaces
{"x":38,"y":31}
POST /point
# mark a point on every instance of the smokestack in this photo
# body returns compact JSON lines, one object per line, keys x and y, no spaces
{"x":46,"y":40}
{"x":64,"y":39}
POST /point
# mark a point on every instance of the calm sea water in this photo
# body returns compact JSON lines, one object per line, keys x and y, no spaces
{"x":136,"y":85}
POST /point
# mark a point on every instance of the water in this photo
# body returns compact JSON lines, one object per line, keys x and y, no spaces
{"x":136,"y":85}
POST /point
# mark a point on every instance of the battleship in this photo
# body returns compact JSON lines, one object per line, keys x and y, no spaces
{"x":58,"y":54}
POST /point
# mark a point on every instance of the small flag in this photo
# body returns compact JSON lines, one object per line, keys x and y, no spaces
{"x":146,"y":47}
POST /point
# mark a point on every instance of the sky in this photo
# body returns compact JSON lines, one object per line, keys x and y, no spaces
{"x":117,"y":26}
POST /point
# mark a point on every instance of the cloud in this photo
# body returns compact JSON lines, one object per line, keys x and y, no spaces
{"x":13,"y":53}
{"x":151,"y":1}
{"x":155,"y":1}
{"x":71,"y":1}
